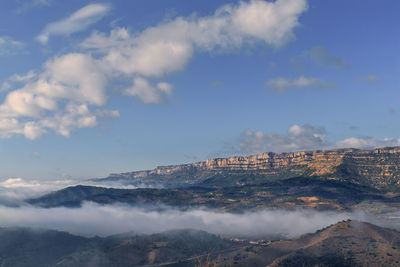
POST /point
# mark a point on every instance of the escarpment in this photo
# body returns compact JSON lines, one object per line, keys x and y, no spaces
{"x":378,"y":168}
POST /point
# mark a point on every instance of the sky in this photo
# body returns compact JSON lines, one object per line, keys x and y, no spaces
{"x":90,"y":88}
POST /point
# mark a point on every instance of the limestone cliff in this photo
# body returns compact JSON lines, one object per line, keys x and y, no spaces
{"x":378,"y":167}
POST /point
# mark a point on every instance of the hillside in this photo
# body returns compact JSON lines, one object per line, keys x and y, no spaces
{"x":298,"y":192}
{"x":349,"y":243}
{"x":26,"y":247}
{"x":23,"y":247}
{"x":378,"y":168}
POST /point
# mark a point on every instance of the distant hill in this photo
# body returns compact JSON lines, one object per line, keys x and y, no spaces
{"x":378,"y":168}
{"x":298,"y":192}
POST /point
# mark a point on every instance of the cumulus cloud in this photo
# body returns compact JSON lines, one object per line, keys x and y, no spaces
{"x":304,"y":137}
{"x":57,"y":99}
{"x":297,"y":138}
{"x":282,"y":85}
{"x":169,"y":46}
{"x":319,"y":56}
{"x":149,"y":93}
{"x":71,"y":90}
{"x":367,"y":142}
{"x":371,"y":78}
{"x":93,"y":219}
{"x":78,"y":21}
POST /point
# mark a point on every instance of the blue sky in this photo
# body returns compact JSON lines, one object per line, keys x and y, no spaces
{"x":89,"y":88}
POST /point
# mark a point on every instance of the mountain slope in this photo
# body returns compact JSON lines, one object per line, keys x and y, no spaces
{"x":350,"y":243}
{"x":347,"y":243}
{"x":290,"y":193}
{"x":24,"y":247}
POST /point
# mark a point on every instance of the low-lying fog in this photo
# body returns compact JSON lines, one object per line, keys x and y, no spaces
{"x":93,"y":219}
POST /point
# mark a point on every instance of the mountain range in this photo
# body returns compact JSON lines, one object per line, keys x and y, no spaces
{"x":378,"y":168}
{"x":342,"y":179}
{"x":335,"y":180}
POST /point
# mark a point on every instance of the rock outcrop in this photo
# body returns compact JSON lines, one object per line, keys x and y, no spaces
{"x":378,"y":168}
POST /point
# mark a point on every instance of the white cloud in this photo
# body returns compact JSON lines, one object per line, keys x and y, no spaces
{"x":62,"y":97}
{"x":16,"y":78}
{"x":297,"y":138}
{"x":75,"y":76}
{"x":17,"y":189}
{"x":367,"y":142}
{"x":78,"y":21}
{"x":305,"y":137}
{"x":57,"y":99}
{"x":10,"y":127}
{"x":371,"y":78}
{"x":103,"y":220}
{"x":148,"y":93}
{"x":282,"y":85}
{"x":30,"y":4}
{"x":168,"y":47}
{"x":23,"y":78}
{"x":15,"y":182}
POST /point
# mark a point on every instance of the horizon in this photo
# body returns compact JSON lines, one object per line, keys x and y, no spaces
{"x":92,"y":88}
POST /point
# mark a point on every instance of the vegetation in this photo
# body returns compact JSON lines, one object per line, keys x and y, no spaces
{"x":293,"y":192}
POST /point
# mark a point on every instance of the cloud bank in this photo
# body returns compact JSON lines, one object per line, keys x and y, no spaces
{"x":93,"y":219}
{"x":300,"y":137}
{"x":71,"y":90}
{"x":15,"y":190}
{"x":367,"y":142}
{"x":297,"y":138}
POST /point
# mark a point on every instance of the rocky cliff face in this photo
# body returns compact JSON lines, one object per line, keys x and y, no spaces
{"x":378,"y":167}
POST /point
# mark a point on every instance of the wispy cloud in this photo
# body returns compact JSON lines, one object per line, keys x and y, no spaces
{"x":282,"y":85}
{"x":9,"y":46}
{"x":30,"y":4}
{"x":319,"y":56}
{"x":368,"y":142}
{"x":78,"y":21}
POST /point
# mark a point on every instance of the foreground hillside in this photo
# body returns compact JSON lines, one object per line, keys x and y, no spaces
{"x":378,"y":168}
{"x":349,"y":243}
{"x":26,"y":247}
